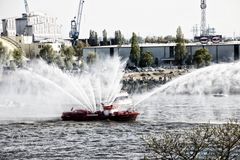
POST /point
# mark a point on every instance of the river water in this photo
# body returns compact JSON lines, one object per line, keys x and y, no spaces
{"x":51,"y":138}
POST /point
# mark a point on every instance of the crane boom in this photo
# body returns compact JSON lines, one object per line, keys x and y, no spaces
{"x":75,"y":24}
{"x":26,"y":6}
{"x":79,"y":16}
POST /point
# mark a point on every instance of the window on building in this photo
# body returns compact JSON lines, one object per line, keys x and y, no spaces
{"x":171,"y":51}
{"x":236,"y":52}
{"x":111,"y":51}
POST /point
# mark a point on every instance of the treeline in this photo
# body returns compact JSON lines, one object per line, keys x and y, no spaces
{"x":12,"y":59}
{"x":68,"y":58}
{"x":138,"y":58}
{"x":119,"y":39}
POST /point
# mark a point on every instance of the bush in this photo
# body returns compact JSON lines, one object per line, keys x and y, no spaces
{"x":202,"y":57}
{"x":202,"y":142}
{"x":47,"y":53}
{"x":157,"y":74}
{"x":146,"y":59}
{"x":18,"y":57}
{"x":91,"y":58}
{"x":143,"y":74}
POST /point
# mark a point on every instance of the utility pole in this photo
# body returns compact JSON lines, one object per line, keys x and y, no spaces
{"x":203,"y":18}
{"x":195,"y":30}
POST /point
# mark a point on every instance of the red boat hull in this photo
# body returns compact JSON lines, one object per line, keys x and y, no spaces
{"x":82,"y":115}
{"x":124,"y":116}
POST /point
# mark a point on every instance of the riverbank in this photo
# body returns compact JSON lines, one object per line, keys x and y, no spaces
{"x":138,"y":82}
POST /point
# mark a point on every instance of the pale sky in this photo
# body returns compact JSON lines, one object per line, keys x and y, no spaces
{"x":144,"y":17}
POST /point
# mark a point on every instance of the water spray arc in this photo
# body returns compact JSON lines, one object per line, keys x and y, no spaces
{"x":211,"y":80}
{"x":42,"y":88}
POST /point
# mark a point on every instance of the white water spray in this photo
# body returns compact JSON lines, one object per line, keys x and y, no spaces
{"x":219,"y":78}
{"x":43,"y":90}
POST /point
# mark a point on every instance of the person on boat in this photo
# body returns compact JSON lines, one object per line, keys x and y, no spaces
{"x":109,"y":110}
{"x":106,"y":110}
{"x":113,"y":110}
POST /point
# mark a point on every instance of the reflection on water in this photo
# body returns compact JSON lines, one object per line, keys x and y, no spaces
{"x":110,"y":140}
{"x":191,"y":109}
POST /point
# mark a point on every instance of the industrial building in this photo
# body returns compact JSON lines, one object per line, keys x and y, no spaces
{"x":221,"y":52}
{"x":9,"y":27}
{"x":31,"y":31}
{"x":37,"y":25}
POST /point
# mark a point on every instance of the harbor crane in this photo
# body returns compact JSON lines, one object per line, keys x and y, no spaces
{"x":26,"y":7}
{"x":27,"y":16}
{"x":75,"y":24}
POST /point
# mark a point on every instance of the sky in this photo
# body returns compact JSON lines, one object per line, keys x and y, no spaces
{"x":144,"y":17}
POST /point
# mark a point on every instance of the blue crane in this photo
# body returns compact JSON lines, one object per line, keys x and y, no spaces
{"x":75,"y":24}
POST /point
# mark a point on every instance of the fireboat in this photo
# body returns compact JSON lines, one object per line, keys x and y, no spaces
{"x":109,"y":112}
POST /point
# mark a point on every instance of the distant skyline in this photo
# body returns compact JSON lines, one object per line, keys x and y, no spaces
{"x":144,"y":17}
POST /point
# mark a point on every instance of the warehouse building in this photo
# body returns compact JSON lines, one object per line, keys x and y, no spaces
{"x":221,"y":52}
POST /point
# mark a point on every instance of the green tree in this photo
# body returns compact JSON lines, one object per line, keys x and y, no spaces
{"x":146,"y":59}
{"x":68,"y":54}
{"x":119,"y":39}
{"x":91,"y":58}
{"x":140,"y":39}
{"x":59,"y":61}
{"x":148,"y":39}
{"x":18,"y":57}
{"x":105,"y":39}
{"x":202,"y":57}
{"x":93,"y":38}
{"x":207,"y":58}
{"x":180,"y":49}
{"x":79,"y":49}
{"x":169,"y":38}
{"x":3,"y":54}
{"x":160,"y":39}
{"x":47,"y":53}
{"x":69,"y":65}
{"x":135,"y":50}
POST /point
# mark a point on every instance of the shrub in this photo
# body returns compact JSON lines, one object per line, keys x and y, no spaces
{"x":202,"y":142}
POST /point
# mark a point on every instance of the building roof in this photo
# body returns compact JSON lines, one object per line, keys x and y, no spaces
{"x":145,"y":45}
